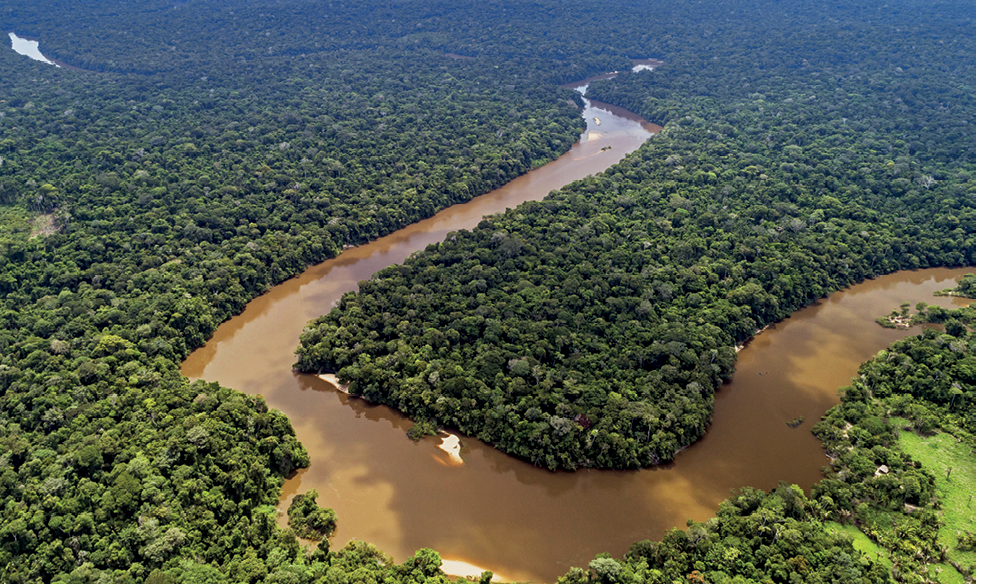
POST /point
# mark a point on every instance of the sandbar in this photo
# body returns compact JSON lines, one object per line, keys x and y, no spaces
{"x":467,"y":570}
{"x":451,"y":445}
{"x":332,"y":379}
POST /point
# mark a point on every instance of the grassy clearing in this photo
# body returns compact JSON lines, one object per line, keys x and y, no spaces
{"x":957,"y":492}
{"x":948,"y":575}
{"x":861,"y":542}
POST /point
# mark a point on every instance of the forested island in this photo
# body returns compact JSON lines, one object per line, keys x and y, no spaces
{"x":199,"y":152}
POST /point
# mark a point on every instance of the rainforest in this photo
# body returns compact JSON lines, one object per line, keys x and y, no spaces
{"x":178,"y":160}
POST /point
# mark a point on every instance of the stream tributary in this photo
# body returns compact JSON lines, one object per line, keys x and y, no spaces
{"x":499,"y":513}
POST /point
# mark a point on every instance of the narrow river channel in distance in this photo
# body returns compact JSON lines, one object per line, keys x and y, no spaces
{"x":499,"y":513}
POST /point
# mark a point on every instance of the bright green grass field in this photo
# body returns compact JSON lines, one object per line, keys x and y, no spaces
{"x":861,"y":542}
{"x":957,"y":494}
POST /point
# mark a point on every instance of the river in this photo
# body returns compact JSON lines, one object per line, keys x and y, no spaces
{"x":499,"y":513}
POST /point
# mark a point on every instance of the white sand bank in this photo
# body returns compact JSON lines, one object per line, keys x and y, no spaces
{"x":332,"y":379}
{"x":451,"y":445}
{"x":467,"y":570}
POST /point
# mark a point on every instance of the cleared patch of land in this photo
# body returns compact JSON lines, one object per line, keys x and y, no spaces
{"x":861,"y":542}
{"x":43,"y":226}
{"x":942,"y":454}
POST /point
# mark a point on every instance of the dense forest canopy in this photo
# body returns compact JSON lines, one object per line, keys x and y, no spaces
{"x":173,"y":201}
{"x":901,"y":511}
{"x":591,"y":329}
{"x":204,"y":151}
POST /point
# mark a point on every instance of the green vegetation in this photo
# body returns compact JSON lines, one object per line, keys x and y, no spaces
{"x":966,"y":288}
{"x":308,"y":520}
{"x":591,"y":329}
{"x":861,"y":542}
{"x":882,"y":514}
{"x":754,"y":537}
{"x":419,"y":430}
{"x":899,"y":487}
{"x":177,"y":197}
{"x":15,"y":224}
{"x":955,"y":320}
{"x":355,"y":562}
{"x":897,"y":318}
{"x":225,"y":146}
{"x":954,"y":463}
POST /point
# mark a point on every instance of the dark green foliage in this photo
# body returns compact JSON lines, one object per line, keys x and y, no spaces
{"x":308,"y":519}
{"x":781,"y":536}
{"x":956,"y":321}
{"x":177,"y":197}
{"x":421,"y":429}
{"x":754,"y":537}
{"x":355,"y":563}
{"x":225,"y":146}
{"x":967,"y":287}
{"x":592,"y":329}
{"x":212,"y":37}
{"x":127,"y":474}
{"x":967,"y":542}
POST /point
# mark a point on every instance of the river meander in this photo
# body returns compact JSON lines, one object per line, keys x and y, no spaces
{"x":500,"y":513}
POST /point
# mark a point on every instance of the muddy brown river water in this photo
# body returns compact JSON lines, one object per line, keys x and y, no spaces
{"x":496,"y":512}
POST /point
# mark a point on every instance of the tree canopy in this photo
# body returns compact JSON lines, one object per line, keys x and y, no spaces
{"x":200,"y":152}
{"x":592,"y":329}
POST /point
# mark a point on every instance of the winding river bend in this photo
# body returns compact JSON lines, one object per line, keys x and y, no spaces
{"x":502,"y":514}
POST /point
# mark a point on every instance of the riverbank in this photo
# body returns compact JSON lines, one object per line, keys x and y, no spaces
{"x":402,"y":496}
{"x":371,"y":507}
{"x":505,"y":514}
